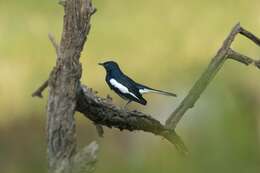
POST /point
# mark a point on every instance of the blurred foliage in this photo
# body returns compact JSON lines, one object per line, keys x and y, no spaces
{"x":168,"y":44}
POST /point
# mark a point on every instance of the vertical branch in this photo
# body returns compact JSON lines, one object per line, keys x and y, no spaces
{"x":63,"y":83}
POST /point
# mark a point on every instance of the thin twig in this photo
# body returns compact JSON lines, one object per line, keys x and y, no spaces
{"x":62,"y":2}
{"x":250,"y":36}
{"x":38,"y":92}
{"x":239,"y":57}
{"x":54,"y":43}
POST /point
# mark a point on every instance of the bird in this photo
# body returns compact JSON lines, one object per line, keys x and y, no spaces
{"x":126,"y":87}
{"x":130,"y":90}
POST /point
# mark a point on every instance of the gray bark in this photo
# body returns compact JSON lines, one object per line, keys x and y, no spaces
{"x":63,"y":83}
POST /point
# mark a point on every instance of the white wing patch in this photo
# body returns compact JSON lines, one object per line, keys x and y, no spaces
{"x":144,"y":90}
{"x":121,"y":87}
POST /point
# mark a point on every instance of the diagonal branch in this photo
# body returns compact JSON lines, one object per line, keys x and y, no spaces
{"x":38,"y":92}
{"x":250,"y":36}
{"x":103,"y":112}
{"x":239,"y":57}
{"x":214,"y":66}
{"x":54,"y":43}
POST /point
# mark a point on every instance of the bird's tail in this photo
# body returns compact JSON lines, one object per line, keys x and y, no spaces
{"x":145,"y":89}
{"x":162,"y":92}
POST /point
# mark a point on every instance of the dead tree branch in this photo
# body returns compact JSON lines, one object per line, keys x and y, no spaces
{"x":38,"y":92}
{"x":63,"y":83}
{"x":103,"y":112}
{"x":239,"y":57}
{"x":54,"y":43}
{"x":84,"y":160}
{"x":224,"y":53}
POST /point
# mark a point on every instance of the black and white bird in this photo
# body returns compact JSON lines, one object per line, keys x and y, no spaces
{"x":130,"y":90}
{"x":125,"y":87}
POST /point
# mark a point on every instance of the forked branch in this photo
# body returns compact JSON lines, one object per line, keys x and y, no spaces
{"x":224,"y":53}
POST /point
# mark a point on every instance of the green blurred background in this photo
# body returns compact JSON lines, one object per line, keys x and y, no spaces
{"x":168,"y":44}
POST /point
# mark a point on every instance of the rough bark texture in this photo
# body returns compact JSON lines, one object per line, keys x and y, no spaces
{"x":103,"y":112}
{"x":63,"y":83}
{"x":85,"y":159}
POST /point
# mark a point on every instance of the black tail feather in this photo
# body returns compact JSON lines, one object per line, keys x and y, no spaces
{"x":146,"y":89}
{"x":163,"y":92}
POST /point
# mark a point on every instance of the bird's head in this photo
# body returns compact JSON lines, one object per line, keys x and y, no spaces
{"x":110,"y":65}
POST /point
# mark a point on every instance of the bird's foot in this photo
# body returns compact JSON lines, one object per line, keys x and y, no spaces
{"x":125,"y":107}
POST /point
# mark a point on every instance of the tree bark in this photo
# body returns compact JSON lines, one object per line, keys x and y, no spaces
{"x":63,"y":83}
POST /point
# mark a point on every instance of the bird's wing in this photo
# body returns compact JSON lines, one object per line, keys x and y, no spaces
{"x":125,"y":87}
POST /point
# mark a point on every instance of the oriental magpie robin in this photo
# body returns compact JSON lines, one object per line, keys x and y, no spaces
{"x":130,"y":90}
{"x":125,"y":87}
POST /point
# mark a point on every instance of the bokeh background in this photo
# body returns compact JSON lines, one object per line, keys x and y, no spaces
{"x":165,"y":44}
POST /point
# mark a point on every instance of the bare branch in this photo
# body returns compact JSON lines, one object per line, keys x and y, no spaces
{"x":63,"y":84}
{"x":239,"y":57}
{"x":54,"y":43}
{"x":85,"y":159}
{"x":38,"y":92}
{"x":104,"y":112}
{"x":250,"y":36}
{"x":94,"y":11}
{"x":214,"y":66}
{"x":194,"y":94}
{"x":62,"y":2}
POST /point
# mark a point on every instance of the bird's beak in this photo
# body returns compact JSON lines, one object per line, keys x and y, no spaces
{"x":102,"y":64}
